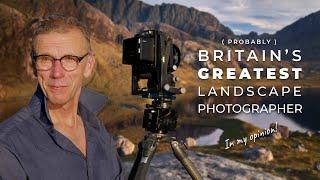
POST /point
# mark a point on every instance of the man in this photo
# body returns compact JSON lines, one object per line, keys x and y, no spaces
{"x":57,"y":135}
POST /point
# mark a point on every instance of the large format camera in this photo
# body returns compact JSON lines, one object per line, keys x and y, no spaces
{"x":153,"y":57}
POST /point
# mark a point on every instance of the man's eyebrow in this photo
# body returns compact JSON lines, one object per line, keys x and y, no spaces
{"x":48,"y":54}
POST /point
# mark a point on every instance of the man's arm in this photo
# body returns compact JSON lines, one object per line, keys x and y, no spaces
{"x":120,"y":176}
{"x":109,"y":140}
{"x":10,"y":168}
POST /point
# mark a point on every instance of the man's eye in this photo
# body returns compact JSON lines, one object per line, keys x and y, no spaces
{"x":70,"y":59}
{"x":44,"y":58}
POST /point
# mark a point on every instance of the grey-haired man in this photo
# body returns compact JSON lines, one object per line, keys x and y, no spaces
{"x":57,"y":135}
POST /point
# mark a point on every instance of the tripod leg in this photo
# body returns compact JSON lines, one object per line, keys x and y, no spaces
{"x":181,"y":155}
{"x":145,"y":154}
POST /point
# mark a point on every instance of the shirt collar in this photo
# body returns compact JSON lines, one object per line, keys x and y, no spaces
{"x":90,"y":103}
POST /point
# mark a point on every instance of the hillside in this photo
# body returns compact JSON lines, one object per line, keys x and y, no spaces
{"x":190,"y":28}
{"x":189,"y":20}
{"x":110,"y":23}
{"x":302,"y":34}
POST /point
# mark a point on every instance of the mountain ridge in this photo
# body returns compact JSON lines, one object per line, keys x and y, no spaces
{"x":189,"y":20}
{"x":302,"y":34}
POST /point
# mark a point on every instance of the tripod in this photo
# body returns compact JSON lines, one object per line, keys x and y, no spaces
{"x":158,"y":119}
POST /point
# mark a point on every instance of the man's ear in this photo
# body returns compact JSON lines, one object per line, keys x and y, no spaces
{"x":89,"y":67}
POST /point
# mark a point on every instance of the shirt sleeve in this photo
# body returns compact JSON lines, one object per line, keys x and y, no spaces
{"x":120,"y":175}
{"x":117,"y":161}
{"x":10,"y":168}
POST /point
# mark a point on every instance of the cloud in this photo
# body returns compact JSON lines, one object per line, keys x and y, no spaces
{"x":261,"y":16}
{"x":238,"y":31}
{"x":261,"y":23}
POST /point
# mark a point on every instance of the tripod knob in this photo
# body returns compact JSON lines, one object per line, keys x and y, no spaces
{"x":175,"y":79}
{"x":174,"y":90}
{"x":174,"y":67}
{"x":183,"y":90}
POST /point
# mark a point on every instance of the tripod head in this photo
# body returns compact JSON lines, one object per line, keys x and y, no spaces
{"x":154,"y":58}
{"x":159,"y":117}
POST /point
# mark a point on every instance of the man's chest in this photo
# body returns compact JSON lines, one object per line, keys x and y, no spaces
{"x":77,"y":136}
{"x":58,"y":158}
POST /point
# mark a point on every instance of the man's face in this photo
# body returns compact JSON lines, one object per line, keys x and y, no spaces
{"x":58,"y":85}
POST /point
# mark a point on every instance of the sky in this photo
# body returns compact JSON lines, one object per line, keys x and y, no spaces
{"x":243,"y":16}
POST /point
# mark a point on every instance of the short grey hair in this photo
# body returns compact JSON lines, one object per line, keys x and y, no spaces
{"x":57,"y":23}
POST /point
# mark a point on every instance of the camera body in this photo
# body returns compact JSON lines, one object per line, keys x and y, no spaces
{"x":153,"y":57}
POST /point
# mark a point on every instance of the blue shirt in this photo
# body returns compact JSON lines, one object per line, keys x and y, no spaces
{"x":30,"y":148}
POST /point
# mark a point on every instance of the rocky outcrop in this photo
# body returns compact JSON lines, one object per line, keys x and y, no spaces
{"x":283,"y":130}
{"x":276,"y":136}
{"x":190,"y":28}
{"x":174,"y":32}
{"x":317,"y":166}
{"x":99,"y":24}
{"x":299,"y":147}
{"x":166,"y":167}
{"x":189,"y":20}
{"x":309,"y":133}
{"x":258,"y":154}
{"x":190,"y":142}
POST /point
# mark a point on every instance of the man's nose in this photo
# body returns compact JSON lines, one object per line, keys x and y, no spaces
{"x":57,"y":70}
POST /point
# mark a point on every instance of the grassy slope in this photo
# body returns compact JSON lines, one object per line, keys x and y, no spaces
{"x":287,"y":162}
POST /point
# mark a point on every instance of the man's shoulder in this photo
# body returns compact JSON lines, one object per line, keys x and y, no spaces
{"x":15,"y":125}
{"x":102,"y":130}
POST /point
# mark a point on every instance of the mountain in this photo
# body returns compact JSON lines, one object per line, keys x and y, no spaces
{"x":111,"y":21}
{"x":190,"y":28}
{"x":189,"y":20}
{"x":303,"y":34}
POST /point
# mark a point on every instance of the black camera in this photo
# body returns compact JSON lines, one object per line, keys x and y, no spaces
{"x":153,"y":57}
